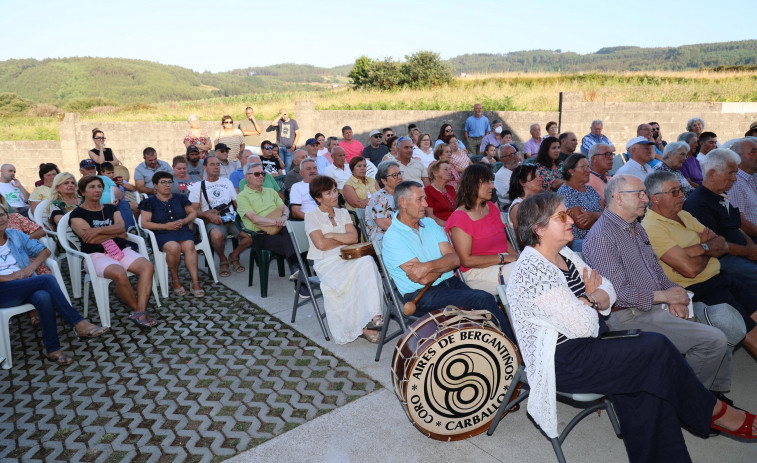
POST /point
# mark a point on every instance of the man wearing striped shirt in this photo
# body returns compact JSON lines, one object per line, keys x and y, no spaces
{"x":618,"y":248}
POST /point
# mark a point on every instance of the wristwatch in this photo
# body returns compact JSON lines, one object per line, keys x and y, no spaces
{"x":705,"y":247}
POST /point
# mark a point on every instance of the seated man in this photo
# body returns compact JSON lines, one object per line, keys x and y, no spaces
{"x":214,"y":199}
{"x":743,"y":193}
{"x":618,"y":248}
{"x":293,"y":175}
{"x":11,"y":188}
{"x":145,"y":170}
{"x":688,"y":253}
{"x":269,"y":181}
{"x":299,"y":196}
{"x":416,"y":252}
{"x":709,"y":204}
{"x":263,"y":211}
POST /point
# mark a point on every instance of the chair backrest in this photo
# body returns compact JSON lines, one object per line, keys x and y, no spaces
{"x":66,"y":236}
{"x":299,"y":238}
{"x":360,"y":213}
{"x":39,"y":214}
{"x":511,"y":236}
{"x":393,"y":291}
{"x":497,"y":166}
{"x":502,"y":293}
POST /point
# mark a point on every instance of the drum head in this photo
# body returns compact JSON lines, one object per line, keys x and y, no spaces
{"x":451,"y":378}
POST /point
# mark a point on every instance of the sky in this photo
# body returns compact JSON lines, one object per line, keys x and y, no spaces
{"x":220,"y":36}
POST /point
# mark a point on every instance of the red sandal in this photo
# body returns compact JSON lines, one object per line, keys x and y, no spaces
{"x":743,"y":434}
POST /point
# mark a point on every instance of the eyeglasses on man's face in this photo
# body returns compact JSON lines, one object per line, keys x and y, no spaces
{"x":640,"y":193}
{"x":675,"y":192}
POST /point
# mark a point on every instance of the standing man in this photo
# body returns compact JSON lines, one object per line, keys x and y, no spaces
{"x":351,"y":146}
{"x":531,"y":147}
{"x":476,"y":126}
{"x":250,"y":127}
{"x":659,"y":143}
{"x":640,"y":152}
{"x":144,"y":171}
{"x":287,"y":135}
{"x":600,"y":159}
{"x":376,"y":150}
{"x":510,"y":160}
{"x":743,"y":193}
{"x":299,"y":198}
{"x":568,"y":144}
{"x":311,"y":146}
{"x":11,"y":188}
{"x":594,"y":136}
{"x":195,"y":168}
{"x":214,"y":199}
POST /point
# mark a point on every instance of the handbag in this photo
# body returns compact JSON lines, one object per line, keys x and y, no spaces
{"x":272,"y":229}
{"x":223,"y":209}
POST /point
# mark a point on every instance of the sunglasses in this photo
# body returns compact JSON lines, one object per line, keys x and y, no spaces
{"x":228,"y":122}
{"x":268,"y":148}
{"x":448,"y":131}
{"x":99,"y":138}
{"x":377,"y":136}
{"x":562,"y":216}
{"x":257,"y":174}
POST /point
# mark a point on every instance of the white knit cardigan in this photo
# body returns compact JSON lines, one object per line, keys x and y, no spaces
{"x":543,"y":306}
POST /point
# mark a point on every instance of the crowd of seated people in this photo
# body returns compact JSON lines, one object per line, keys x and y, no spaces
{"x":653,"y":238}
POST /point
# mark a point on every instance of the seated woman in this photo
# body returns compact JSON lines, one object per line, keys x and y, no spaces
{"x":358,"y":189}
{"x":20,"y":257}
{"x":47,"y":173}
{"x":64,"y":198}
{"x":440,"y":196}
{"x":581,"y":199}
{"x":351,"y":288}
{"x":100,"y":225}
{"x":168,"y":215}
{"x":391,"y":143}
{"x":443,"y":152}
{"x":424,"y":152}
{"x":380,"y":208}
{"x":524,"y":182}
{"x":478,"y":233}
{"x":555,"y":299}
{"x":673,"y":157}
{"x":548,"y":163}
{"x":458,"y":155}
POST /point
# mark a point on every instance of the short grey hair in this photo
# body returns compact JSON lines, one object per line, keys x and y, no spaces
{"x":305,"y":161}
{"x":382,"y":170}
{"x":531,"y":127}
{"x":536,"y":211}
{"x":248,"y":168}
{"x":617,"y":183}
{"x":253,"y":156}
{"x":403,"y":190}
{"x":691,"y":122}
{"x":594,"y":150}
{"x":738,"y":145}
{"x":653,"y":182}
{"x":675,"y":147}
{"x":687,"y":137}
{"x":504,"y":146}
{"x":192,"y":116}
{"x":597,"y":122}
{"x":329,"y":140}
{"x":718,"y":160}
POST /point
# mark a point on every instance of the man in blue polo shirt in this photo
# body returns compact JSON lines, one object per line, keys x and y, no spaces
{"x":416,"y":252}
{"x":476,"y":126}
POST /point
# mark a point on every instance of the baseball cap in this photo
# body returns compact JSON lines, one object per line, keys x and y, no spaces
{"x":87,"y":164}
{"x":638,"y":141}
{"x":192,"y":149}
{"x":374,"y":132}
{"x":222,"y":147}
{"x":752,"y":128}
{"x":311,"y":141}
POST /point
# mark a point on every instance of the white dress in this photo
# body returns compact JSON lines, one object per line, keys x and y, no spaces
{"x":351,"y":288}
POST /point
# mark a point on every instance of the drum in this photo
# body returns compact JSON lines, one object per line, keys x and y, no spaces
{"x":356,"y":251}
{"x":451,"y":371}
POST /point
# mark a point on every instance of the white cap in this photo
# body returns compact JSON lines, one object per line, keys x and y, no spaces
{"x":638,"y":141}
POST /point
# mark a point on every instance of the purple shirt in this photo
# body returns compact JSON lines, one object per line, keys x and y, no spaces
{"x":692,"y":170}
{"x":620,"y":251}
{"x":532,"y":146}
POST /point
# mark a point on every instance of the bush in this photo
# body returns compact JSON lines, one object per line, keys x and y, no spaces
{"x":84,"y":104}
{"x":44,"y":110}
{"x":12,"y":103}
{"x":423,"y":69}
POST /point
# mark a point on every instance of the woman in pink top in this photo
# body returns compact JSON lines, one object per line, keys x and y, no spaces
{"x":478,"y":233}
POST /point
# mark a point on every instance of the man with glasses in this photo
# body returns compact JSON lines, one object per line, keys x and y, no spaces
{"x":227,"y":167}
{"x":144,"y":171}
{"x":376,"y":151}
{"x":510,"y":159}
{"x":287,"y":135}
{"x":271,"y":164}
{"x":618,"y":248}
{"x":600,"y":159}
{"x":387,"y":133}
{"x":640,"y":153}
{"x":659,"y":143}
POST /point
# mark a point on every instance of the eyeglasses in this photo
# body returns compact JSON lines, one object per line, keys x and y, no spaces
{"x":378,"y":135}
{"x":608,"y":154}
{"x":256,"y":174}
{"x":388,"y":134}
{"x":675,"y":192}
{"x":228,"y":122}
{"x":165,"y":182}
{"x":582,"y":168}
{"x":395,"y":175}
{"x":447,"y":130}
{"x":640,"y":193}
{"x":268,"y":148}
{"x":562,"y":216}
{"x":99,"y":138}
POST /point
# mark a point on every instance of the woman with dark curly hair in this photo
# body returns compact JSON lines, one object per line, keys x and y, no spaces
{"x":548,"y":164}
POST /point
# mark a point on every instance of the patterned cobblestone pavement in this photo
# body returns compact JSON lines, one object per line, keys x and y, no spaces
{"x":216,"y":377}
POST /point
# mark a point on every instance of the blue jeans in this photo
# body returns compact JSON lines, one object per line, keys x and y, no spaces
{"x":453,"y":291}
{"x":286,"y":157}
{"x":740,"y":268}
{"x":43,"y":292}
{"x":126,"y":214}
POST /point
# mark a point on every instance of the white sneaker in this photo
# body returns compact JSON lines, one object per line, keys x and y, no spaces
{"x":294,"y":276}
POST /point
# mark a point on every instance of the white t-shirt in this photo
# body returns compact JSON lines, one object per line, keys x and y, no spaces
{"x":502,"y":182}
{"x":300,"y":194}
{"x":13,"y":195}
{"x":426,"y":159}
{"x":342,"y":175}
{"x":219,"y":192}
{"x":7,"y":261}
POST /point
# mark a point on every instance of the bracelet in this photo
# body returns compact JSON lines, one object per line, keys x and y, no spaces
{"x":592,"y":302}
{"x":501,"y":259}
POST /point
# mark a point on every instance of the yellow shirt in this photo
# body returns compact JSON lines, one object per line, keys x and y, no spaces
{"x":260,"y":203}
{"x":363,"y":190}
{"x":665,"y":234}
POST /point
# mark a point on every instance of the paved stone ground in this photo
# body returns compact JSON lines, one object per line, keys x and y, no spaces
{"x":216,"y":377}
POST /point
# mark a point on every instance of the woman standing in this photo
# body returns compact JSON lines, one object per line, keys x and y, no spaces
{"x":351,"y":288}
{"x":47,"y":173}
{"x":380,"y":208}
{"x":231,"y":137}
{"x":20,"y":257}
{"x":100,"y":153}
{"x":196,"y":136}
{"x":548,"y":164}
{"x":440,"y":195}
{"x":358,"y":189}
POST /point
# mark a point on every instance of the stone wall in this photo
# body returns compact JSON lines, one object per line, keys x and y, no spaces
{"x":128,"y":139}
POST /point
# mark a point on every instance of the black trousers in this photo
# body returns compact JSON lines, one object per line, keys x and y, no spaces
{"x":724,"y":288}
{"x":280,"y":243}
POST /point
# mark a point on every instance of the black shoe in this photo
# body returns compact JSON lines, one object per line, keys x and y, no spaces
{"x":721,"y":396}
{"x":304,"y":293}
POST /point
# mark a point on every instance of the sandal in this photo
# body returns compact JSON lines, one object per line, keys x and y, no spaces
{"x":743,"y":434}
{"x":34,"y":317}
{"x":145,"y":323}
{"x":376,"y":323}
{"x":60,"y":358}
{"x":93,"y":332}
{"x":237,"y":266}
{"x":222,"y":272}
{"x":199,"y":292}
{"x":180,"y":291}
{"x":372,"y":338}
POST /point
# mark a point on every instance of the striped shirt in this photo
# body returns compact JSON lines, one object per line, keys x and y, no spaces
{"x":576,"y":285}
{"x":743,"y":194}
{"x":621,"y":252}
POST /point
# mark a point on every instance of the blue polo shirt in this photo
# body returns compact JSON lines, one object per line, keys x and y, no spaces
{"x":715,"y":213}
{"x":402,"y":243}
{"x":477,"y":127}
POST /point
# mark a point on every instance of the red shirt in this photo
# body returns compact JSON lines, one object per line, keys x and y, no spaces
{"x":488,"y":233}
{"x":443,"y":204}
{"x":355,"y":148}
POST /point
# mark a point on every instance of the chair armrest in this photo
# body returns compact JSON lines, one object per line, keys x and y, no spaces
{"x":140,"y":244}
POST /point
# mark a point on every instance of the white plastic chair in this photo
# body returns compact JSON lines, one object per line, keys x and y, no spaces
{"x":71,"y":244}
{"x":161,"y":267}
{"x":7,"y":313}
